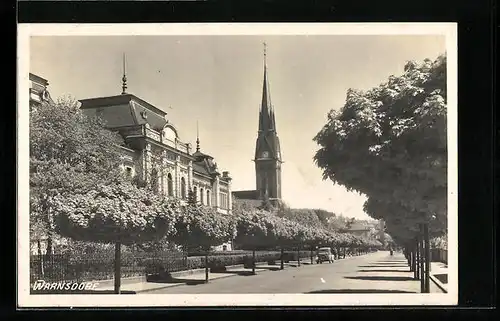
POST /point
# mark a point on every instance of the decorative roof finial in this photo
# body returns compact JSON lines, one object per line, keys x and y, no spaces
{"x":197,"y":138}
{"x":265,"y":52}
{"x":124,"y":78}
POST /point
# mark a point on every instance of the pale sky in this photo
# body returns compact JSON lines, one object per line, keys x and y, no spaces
{"x":217,"y":80}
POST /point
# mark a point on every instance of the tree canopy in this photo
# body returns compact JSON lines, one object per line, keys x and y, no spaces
{"x":69,"y":151}
{"x":114,"y":213}
{"x":199,"y":226}
{"x":389,"y":143}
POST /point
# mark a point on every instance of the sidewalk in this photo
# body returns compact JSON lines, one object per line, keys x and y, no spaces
{"x":192,"y":277}
{"x":439,"y":275}
{"x":387,"y":274}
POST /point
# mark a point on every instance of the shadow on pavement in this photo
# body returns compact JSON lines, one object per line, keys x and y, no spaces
{"x":375,"y":270}
{"x":241,"y":273}
{"x":389,"y":262}
{"x":443,"y":278}
{"x":270,"y":268}
{"x":79,"y":292}
{"x":382,"y":266}
{"x":358,"y":291}
{"x":380,"y":278}
{"x":173,"y":280}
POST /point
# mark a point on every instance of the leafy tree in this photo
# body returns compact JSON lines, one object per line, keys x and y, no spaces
{"x":199,"y":226}
{"x":304,"y":217}
{"x":68,"y":152}
{"x":324,"y":216}
{"x":117,"y":213}
{"x":192,"y":198}
{"x":389,"y":143}
{"x":338,"y":223}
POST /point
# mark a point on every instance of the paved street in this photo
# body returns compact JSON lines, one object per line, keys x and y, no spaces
{"x":372,"y":273}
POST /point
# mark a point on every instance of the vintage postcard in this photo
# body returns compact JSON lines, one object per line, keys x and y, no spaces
{"x":237,"y":165}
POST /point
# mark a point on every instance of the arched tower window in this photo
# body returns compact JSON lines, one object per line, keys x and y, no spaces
{"x":201,"y":195}
{"x":183,"y":188}
{"x":208,"y":197}
{"x":264,"y":187}
{"x":170,"y":185}
{"x":195,"y":193}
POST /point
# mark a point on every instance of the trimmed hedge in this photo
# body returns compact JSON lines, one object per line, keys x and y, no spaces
{"x":100,"y":267}
{"x":218,"y":263}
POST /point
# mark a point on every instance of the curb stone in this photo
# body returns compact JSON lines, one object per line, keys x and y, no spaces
{"x":438,"y":283}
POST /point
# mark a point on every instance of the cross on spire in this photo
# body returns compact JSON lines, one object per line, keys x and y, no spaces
{"x":265,"y":51}
{"x":124,"y":78}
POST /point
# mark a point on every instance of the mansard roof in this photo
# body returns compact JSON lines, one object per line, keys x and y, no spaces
{"x":125,"y":110}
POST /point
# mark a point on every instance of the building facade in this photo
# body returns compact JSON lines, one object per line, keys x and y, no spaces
{"x":267,"y":153}
{"x":38,"y":92}
{"x":153,"y":153}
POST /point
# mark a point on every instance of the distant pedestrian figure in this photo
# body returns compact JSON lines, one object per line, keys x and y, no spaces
{"x":391,"y":251}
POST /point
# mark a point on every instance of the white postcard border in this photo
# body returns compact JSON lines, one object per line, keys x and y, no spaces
{"x":25,"y":31}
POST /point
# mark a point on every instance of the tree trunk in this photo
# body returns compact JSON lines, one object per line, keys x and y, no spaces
{"x":206,"y":266}
{"x":298,"y":256}
{"x":282,"y":262}
{"x":40,"y":259}
{"x":312,"y":260}
{"x":422,"y":263}
{"x":49,"y":247}
{"x":427,"y":258}
{"x":418,"y":258}
{"x":117,"y":267}
{"x":413,"y":260}
{"x":253,"y":262}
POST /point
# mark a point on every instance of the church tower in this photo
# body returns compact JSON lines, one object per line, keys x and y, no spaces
{"x":267,"y":150}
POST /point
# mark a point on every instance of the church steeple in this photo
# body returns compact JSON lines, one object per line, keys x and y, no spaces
{"x":267,"y":148}
{"x":265,"y":118}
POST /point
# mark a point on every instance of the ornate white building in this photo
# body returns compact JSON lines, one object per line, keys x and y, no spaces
{"x":154,"y":153}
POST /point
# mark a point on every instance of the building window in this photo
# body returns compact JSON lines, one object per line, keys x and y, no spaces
{"x":208,"y":197}
{"x":170,"y":185}
{"x":183,"y":188}
{"x":223,"y":200}
{"x":154,"y":180}
{"x":201,"y":196}
{"x":195,"y":194}
{"x":128,"y":171}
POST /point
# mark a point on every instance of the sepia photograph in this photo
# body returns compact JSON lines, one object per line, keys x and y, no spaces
{"x":237,"y":164}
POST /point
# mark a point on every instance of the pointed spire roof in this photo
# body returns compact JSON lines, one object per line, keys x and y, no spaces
{"x":265,"y":117}
{"x":267,"y":144}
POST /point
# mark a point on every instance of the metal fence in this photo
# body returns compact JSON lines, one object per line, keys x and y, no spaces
{"x":439,"y":255}
{"x":74,"y":267}
{"x":87,"y":267}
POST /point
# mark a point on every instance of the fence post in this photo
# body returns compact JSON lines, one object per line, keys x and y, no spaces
{"x":422,"y":263}
{"x":117,"y":267}
{"x":253,"y":261}
{"x":206,"y":266}
{"x":418,"y":258}
{"x":282,"y":263}
{"x":427,"y":258}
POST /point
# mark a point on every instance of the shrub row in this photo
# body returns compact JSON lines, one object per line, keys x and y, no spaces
{"x":76,"y":268}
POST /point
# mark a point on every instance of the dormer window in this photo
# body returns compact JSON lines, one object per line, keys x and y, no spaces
{"x":128,"y":171}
